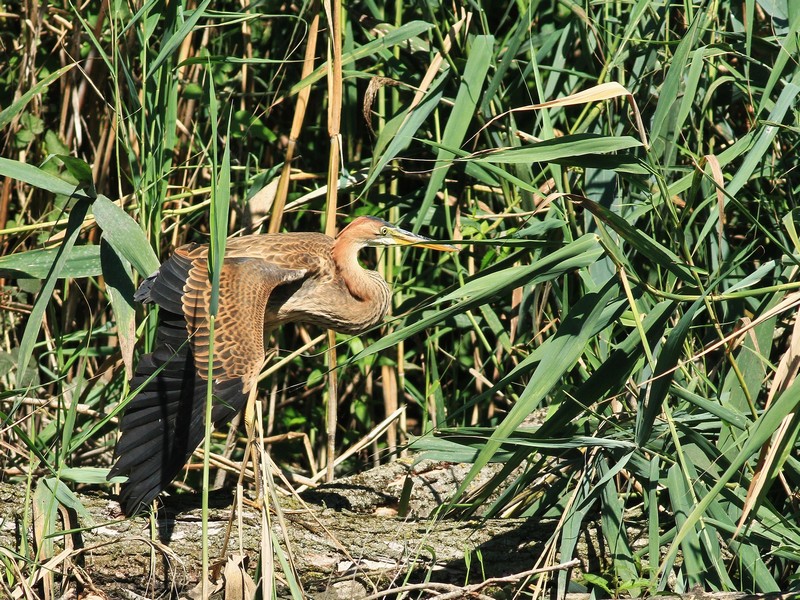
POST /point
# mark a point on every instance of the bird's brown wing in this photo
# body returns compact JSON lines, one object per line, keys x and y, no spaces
{"x":245,"y":287}
{"x":164,"y":423}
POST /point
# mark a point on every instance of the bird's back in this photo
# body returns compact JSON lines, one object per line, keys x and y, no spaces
{"x":311,"y":251}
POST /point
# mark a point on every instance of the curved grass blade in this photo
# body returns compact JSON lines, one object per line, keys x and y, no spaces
{"x":681,"y":499}
{"x":398,"y":36}
{"x":656,"y":393}
{"x":176,"y":39}
{"x":562,"y":148}
{"x":662,"y":140}
{"x":8,"y":113}
{"x":37,"y":178}
{"x":125,"y":236}
{"x":651,"y":249}
{"x":461,"y":116}
{"x":117,"y":273}
{"x":755,"y":157}
{"x":398,"y":132}
{"x":34,"y":324}
{"x":82,"y":261}
{"x":612,"y":518}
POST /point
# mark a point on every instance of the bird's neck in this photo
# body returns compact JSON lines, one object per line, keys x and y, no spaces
{"x":357,"y":279}
{"x":368,"y":296}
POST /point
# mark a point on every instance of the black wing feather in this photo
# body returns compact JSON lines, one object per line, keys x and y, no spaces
{"x":163,"y":423}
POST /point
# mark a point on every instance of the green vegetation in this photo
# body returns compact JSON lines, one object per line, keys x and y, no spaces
{"x":629,"y":262}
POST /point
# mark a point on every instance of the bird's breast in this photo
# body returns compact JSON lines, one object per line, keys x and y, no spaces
{"x":327,"y":303}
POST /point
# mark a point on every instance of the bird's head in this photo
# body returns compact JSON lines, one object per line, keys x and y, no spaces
{"x":371,"y":231}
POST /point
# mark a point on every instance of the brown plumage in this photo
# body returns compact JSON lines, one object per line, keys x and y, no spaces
{"x":265,"y":281}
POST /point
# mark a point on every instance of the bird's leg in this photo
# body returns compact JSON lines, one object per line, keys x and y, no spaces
{"x":250,"y":419}
{"x":333,"y":407}
{"x":251,"y":449}
{"x":230,"y":445}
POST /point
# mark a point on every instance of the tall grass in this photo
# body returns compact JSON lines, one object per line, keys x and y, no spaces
{"x":622,"y":177}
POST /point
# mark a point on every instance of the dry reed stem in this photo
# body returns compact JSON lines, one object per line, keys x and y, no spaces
{"x":333,"y":10}
{"x":276,"y":215}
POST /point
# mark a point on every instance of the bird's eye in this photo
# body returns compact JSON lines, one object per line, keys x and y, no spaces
{"x":384,"y":231}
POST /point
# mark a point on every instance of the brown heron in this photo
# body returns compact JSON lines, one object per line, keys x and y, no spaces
{"x":265,"y":281}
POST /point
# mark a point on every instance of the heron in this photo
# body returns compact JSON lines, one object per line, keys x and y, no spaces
{"x":266,"y":280}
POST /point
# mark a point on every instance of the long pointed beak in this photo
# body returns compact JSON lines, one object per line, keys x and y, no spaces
{"x":405,"y":238}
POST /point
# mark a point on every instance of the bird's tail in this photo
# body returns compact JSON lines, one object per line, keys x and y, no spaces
{"x":164,"y":422}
